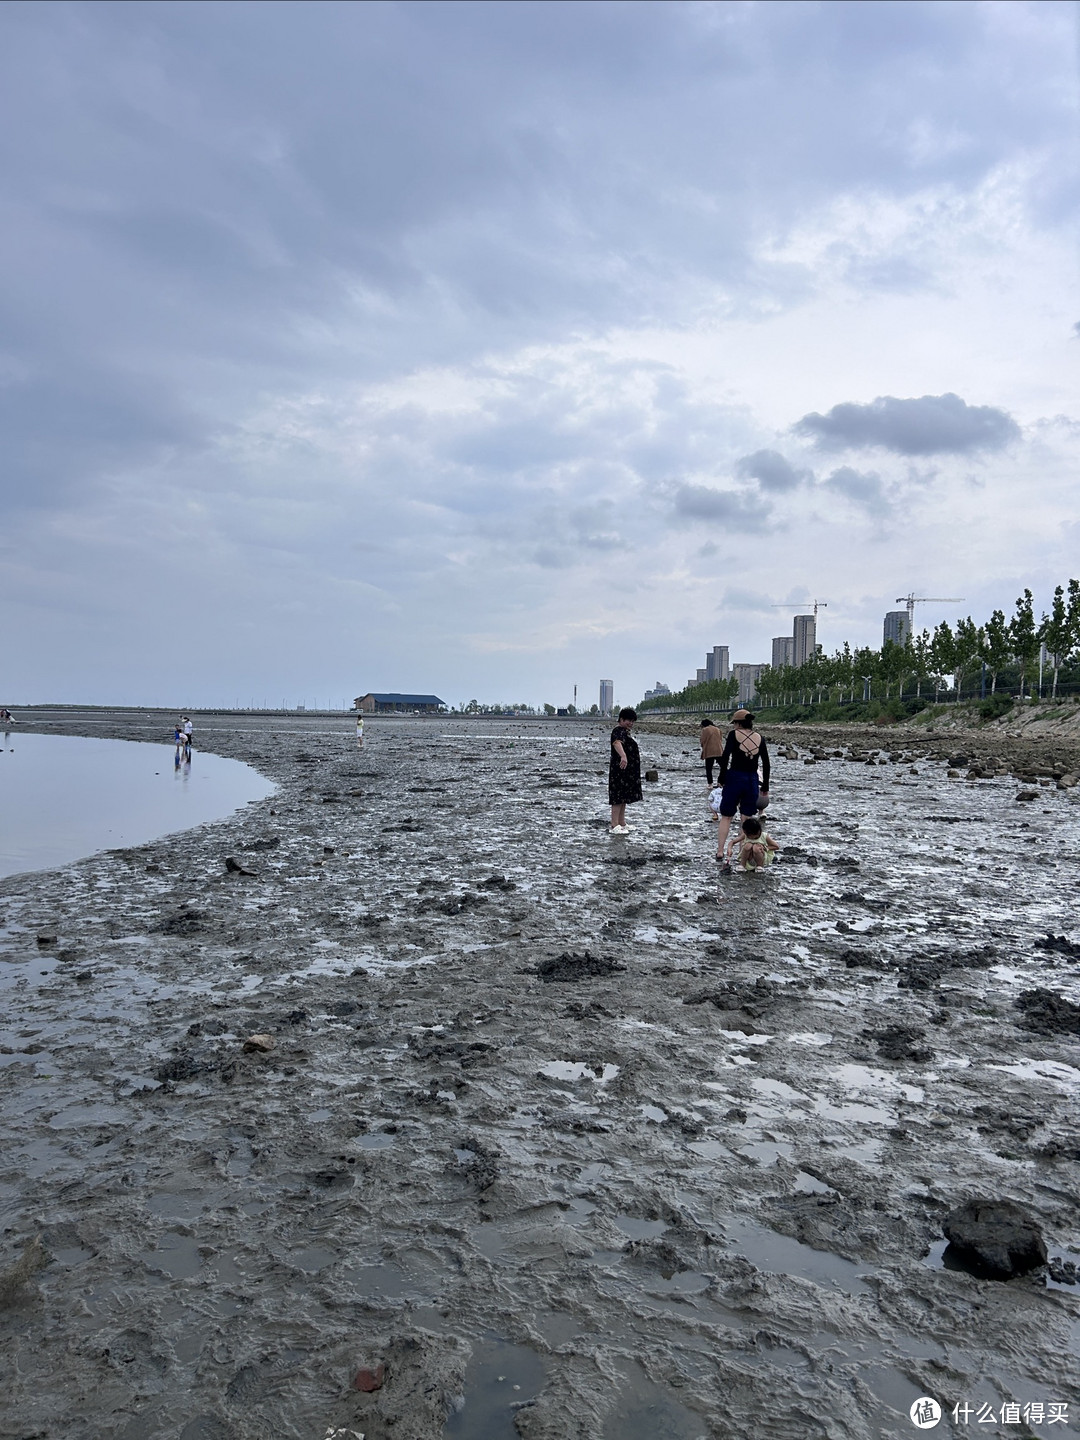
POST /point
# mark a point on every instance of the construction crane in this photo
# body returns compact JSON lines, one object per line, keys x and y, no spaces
{"x":801,"y":604}
{"x":912,"y":600}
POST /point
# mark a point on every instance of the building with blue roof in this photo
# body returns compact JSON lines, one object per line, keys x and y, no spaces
{"x":392,"y":703}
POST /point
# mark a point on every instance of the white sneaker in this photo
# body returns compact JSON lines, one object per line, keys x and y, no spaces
{"x":619,"y":830}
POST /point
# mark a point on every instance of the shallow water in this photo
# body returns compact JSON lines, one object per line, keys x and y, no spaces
{"x":64,"y":797}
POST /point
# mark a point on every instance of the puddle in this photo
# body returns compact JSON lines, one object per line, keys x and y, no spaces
{"x":576,"y":1070}
{"x":311,"y":1259}
{"x":499,"y":1377}
{"x":853,"y":1113}
{"x":66,"y":797}
{"x":646,"y":1411}
{"x":781,"y":1255}
{"x":766,"y":1152}
{"x":655,"y":1114}
{"x":779,"y":1090}
{"x":1051,"y":1071}
{"x":806,"y":1184}
{"x":639,"y":1229}
{"x":378,"y":1142}
{"x":175,"y":1255}
{"x":686,"y":1282}
{"x":709,"y":1149}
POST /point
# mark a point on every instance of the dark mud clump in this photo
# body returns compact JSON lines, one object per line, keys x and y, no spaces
{"x":753,"y":1000}
{"x":572,"y":967}
{"x":1048,"y":1013}
{"x":899,"y":1042}
{"x":1058,"y":945}
{"x":482,"y":1164}
{"x":993,"y":1239}
{"x":184,"y":922}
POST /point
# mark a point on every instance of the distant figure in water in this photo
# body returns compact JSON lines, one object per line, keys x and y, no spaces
{"x":624,"y":772}
{"x":755,"y":846}
{"x":6,"y":717}
{"x":189,"y":730}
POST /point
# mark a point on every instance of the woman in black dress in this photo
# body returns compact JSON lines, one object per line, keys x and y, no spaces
{"x":624,"y":774}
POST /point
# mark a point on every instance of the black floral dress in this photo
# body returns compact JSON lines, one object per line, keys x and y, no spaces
{"x":624,"y":786}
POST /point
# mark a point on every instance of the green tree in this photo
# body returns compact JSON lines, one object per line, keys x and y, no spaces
{"x":867,"y":667}
{"x":1024,"y":637}
{"x":943,"y":650}
{"x":1054,"y":634}
{"x":996,"y":646}
{"x":921,"y":658}
{"x":892,"y":665}
{"x":967,"y":643}
{"x":548,"y":709}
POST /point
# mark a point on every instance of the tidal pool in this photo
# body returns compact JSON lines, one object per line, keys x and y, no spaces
{"x":64,"y":797}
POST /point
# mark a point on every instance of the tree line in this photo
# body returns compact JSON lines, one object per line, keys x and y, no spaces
{"x":943,"y":659}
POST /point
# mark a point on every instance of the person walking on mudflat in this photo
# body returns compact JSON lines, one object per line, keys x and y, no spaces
{"x":624,"y":772}
{"x":712,"y":747}
{"x":744,"y":750}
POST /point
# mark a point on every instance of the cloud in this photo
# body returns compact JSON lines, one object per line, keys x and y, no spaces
{"x":730,"y":508}
{"x":862,"y":488}
{"x":930,"y":425}
{"x":771,"y":470}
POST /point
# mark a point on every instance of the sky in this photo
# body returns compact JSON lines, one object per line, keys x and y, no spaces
{"x":489,"y":349}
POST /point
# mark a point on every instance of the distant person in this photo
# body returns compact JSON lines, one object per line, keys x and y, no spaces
{"x":744,"y":751}
{"x":189,"y":730}
{"x":756,"y":847}
{"x":624,"y":772}
{"x":712,"y":747}
{"x":6,"y":717}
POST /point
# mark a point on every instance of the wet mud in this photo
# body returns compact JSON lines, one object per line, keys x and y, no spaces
{"x":410,"y":1103}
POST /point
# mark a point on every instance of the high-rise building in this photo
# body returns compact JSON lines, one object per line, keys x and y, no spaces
{"x":657,"y":691}
{"x":607,"y":696}
{"x":898,"y":627}
{"x":717,"y":666}
{"x":783,"y":651}
{"x":747,"y":676}
{"x":804,"y":639}
{"x":702,"y":676}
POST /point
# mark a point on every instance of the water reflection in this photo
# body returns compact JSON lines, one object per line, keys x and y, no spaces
{"x":64,"y":797}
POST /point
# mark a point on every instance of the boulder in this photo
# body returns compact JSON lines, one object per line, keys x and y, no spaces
{"x":259,"y":1044}
{"x":993,"y":1239}
{"x":652,"y":776}
{"x":1026,"y":795}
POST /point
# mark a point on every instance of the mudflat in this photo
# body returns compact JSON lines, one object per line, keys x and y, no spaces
{"x":409,"y":1103}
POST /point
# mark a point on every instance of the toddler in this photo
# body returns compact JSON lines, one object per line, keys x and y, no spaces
{"x":756,"y":848}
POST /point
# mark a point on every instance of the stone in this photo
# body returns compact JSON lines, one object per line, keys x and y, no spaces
{"x":259,"y":1044}
{"x":369,"y":1380}
{"x":234,"y":867}
{"x":1026,"y":795}
{"x":1066,"y":782}
{"x":994,"y":1239}
{"x":953,"y":774}
{"x":652,"y":776}
{"x":46,"y":937}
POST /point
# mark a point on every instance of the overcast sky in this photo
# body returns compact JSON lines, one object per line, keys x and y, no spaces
{"x":486,"y":349}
